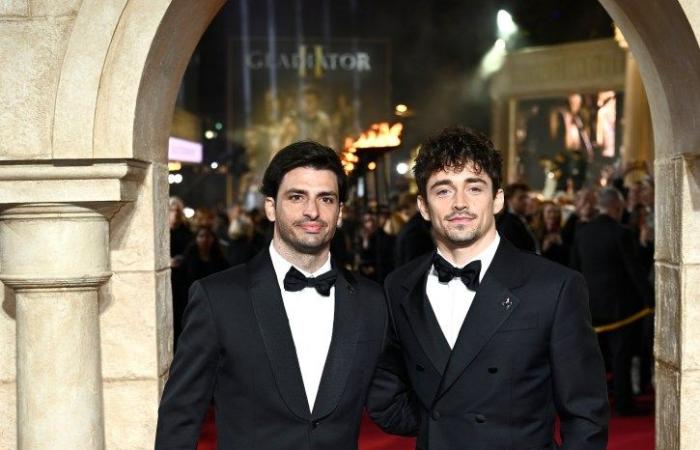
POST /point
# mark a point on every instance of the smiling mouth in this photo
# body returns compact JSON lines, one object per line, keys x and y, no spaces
{"x":461,"y":219}
{"x":311,"y":227}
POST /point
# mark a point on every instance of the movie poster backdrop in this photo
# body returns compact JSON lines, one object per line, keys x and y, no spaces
{"x":323,"y":90}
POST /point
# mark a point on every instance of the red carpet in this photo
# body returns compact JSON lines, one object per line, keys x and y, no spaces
{"x":626,"y":433}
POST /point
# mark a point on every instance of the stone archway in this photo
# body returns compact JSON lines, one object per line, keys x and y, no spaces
{"x":664,"y":40}
{"x":82,"y":140}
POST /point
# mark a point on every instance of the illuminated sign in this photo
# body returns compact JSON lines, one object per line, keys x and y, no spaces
{"x":184,"y":151}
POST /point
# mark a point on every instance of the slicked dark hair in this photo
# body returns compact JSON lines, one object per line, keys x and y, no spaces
{"x":303,"y":154}
{"x":454,"y":148}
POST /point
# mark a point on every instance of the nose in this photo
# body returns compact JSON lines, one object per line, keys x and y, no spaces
{"x":460,"y":202}
{"x":311,"y":209}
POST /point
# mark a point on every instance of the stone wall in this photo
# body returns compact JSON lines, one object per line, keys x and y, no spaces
{"x":88,"y":90}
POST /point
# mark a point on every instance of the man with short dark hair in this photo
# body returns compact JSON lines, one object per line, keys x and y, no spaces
{"x":489,"y":343}
{"x":512,"y":223}
{"x":285,"y":344}
{"x":604,"y":252}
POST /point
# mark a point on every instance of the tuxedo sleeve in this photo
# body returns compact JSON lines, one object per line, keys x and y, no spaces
{"x":391,"y":403}
{"x":578,"y":373}
{"x":190,"y":385}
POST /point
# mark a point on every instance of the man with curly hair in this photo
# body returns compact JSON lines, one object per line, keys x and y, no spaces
{"x":488,"y":344}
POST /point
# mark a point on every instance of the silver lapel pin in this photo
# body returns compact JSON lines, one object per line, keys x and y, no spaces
{"x":507,"y":303}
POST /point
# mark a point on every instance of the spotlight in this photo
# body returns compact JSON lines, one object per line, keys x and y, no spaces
{"x":209,"y":134}
{"x":214,"y":165}
{"x":372,"y":165}
{"x":506,"y":26}
{"x":189,"y":212}
{"x":500,"y":45}
{"x":402,"y":168}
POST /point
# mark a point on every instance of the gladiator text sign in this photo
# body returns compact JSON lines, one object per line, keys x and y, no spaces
{"x":308,"y":60}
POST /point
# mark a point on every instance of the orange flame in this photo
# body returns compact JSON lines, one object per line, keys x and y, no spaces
{"x":380,"y":135}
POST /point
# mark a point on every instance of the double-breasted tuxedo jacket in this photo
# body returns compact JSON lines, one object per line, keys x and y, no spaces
{"x":236,"y":349}
{"x":525,"y":353}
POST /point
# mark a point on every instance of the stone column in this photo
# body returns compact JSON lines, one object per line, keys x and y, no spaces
{"x":638,"y":139}
{"x":54,"y":258}
{"x":55,"y":255}
{"x":677,"y":343}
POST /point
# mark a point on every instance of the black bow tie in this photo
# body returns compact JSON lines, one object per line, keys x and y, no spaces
{"x":468,"y":274}
{"x":295,"y":281}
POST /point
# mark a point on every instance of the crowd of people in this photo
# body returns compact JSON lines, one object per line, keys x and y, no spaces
{"x":606,"y":234}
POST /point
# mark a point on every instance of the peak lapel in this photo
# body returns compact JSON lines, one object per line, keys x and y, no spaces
{"x":277,"y":336}
{"x":422,"y":318}
{"x":341,"y":353}
{"x":493,"y":304}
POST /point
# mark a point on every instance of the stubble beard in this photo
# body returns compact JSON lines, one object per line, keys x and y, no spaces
{"x":313,"y":247}
{"x":463,"y":237}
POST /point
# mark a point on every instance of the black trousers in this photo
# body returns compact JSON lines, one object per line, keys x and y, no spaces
{"x":618,"y":347}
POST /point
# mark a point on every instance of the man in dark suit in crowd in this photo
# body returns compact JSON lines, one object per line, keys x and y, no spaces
{"x":512,"y":224}
{"x":489,"y":343}
{"x":604,"y":251}
{"x":413,"y":240}
{"x":284,"y":345}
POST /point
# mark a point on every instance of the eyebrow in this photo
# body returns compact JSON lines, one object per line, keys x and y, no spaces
{"x":451,"y":184}
{"x":305,"y":192}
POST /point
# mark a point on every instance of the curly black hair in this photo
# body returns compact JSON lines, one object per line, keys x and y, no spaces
{"x":303,"y":154}
{"x":454,"y":148}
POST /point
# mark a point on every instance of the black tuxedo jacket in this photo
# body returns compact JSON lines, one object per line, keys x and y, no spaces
{"x":604,"y":251}
{"x":525,"y":353}
{"x":236,"y":349}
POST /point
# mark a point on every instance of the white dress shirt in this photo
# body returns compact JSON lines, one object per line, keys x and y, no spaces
{"x":451,"y":301}
{"x":311,"y":321}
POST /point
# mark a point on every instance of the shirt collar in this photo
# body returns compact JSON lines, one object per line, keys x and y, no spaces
{"x":485,"y":256}
{"x":282,"y":266}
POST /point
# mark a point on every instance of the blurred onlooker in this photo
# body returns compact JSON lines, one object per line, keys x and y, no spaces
{"x":604,"y":252}
{"x":512,"y":223}
{"x":204,"y":218}
{"x":243,"y":240}
{"x":585,"y":211}
{"x":632,"y":201}
{"x":364,"y":251}
{"x":414,"y":239}
{"x":405,"y":208}
{"x":552,"y":244}
{"x":343,"y":242}
{"x":204,"y":256}
{"x":533,"y":215}
{"x":180,"y":239}
{"x":180,"y":234}
{"x":375,"y":249}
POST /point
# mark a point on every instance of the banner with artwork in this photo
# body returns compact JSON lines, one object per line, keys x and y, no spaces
{"x":323,"y":90}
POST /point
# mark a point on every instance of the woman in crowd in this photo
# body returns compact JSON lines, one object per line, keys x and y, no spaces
{"x":552,"y":245}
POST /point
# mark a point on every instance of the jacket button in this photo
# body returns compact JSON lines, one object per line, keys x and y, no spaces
{"x":493,"y":369}
{"x":436,"y":415}
{"x":420,"y":368}
{"x":315,"y":423}
{"x":480,"y":418}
